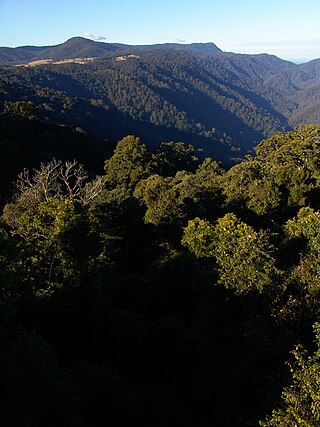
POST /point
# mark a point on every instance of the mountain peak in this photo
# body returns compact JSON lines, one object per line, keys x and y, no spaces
{"x":77,"y":47}
{"x":205,"y":47}
{"x":78,"y":39}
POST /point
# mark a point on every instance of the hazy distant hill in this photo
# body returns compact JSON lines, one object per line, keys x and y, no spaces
{"x":224,"y":103}
{"x":73,"y":48}
{"x":79,"y":47}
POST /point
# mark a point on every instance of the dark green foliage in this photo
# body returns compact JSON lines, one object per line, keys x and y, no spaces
{"x":174,"y":156}
{"x":118,"y":220}
{"x":164,"y":292}
{"x":33,"y":391}
{"x":129,"y":164}
{"x":243,"y":256}
{"x":26,"y":110}
{"x":300,"y":400}
{"x":104,"y":396}
{"x":284,"y":175}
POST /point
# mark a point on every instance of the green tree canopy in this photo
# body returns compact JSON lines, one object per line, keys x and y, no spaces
{"x":129,"y":163}
{"x":174,"y":156}
{"x":300,"y":406}
{"x":24,"y":109}
{"x":244,"y":256}
{"x":285,"y":173}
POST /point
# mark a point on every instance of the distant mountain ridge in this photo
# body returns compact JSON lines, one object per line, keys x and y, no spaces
{"x":221,"y":102}
{"x":80,"y":47}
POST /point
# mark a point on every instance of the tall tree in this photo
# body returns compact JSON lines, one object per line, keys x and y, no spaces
{"x":129,"y":163}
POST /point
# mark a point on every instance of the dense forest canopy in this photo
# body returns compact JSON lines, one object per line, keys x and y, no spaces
{"x":153,"y":285}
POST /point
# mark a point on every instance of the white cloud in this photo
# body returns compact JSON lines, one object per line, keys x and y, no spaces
{"x":181,"y":41}
{"x":95,"y":37}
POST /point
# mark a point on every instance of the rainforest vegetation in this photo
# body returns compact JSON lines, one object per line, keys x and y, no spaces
{"x":156,"y":287}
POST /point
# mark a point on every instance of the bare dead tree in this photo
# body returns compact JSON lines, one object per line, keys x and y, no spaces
{"x":92,"y":189}
{"x":43,"y":183}
{"x":56,"y":177}
{"x":73,"y":177}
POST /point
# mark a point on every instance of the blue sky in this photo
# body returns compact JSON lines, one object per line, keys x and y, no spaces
{"x":287,"y":28}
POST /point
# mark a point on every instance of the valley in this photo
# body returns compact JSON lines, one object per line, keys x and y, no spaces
{"x":223,"y":103}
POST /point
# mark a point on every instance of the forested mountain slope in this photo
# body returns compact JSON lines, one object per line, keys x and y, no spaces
{"x":224,"y":103}
{"x":79,"y":47}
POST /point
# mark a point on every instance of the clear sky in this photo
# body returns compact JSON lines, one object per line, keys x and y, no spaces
{"x":289,"y":29}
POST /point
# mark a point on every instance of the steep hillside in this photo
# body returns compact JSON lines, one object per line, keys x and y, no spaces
{"x":223,"y":103}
